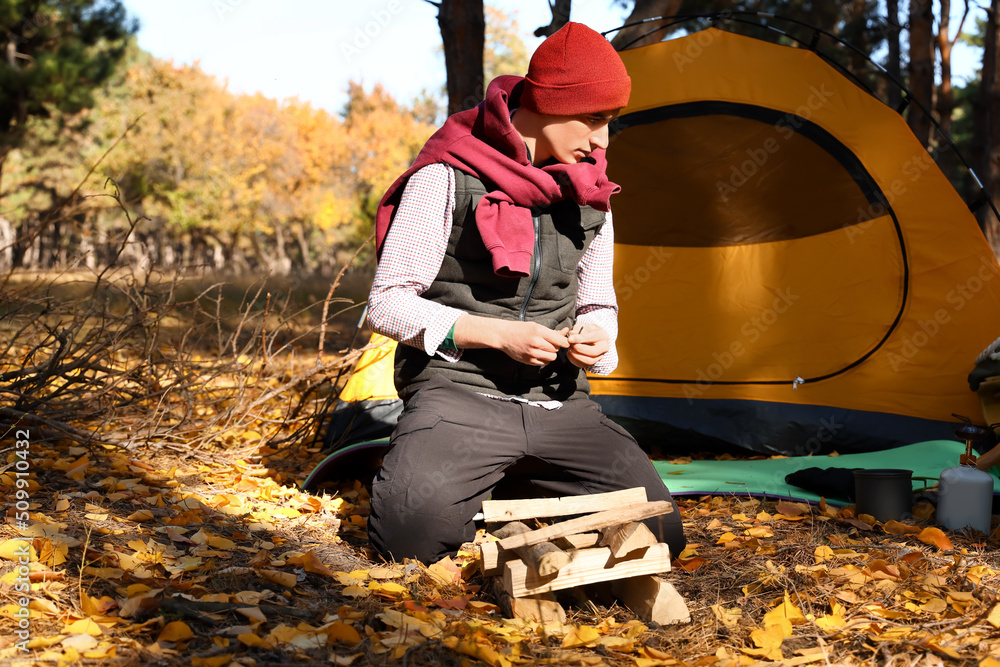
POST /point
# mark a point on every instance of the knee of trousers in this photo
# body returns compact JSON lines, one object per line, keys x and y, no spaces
{"x":426,"y":536}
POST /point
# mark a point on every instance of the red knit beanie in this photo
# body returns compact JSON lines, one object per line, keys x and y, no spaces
{"x":575,"y":71}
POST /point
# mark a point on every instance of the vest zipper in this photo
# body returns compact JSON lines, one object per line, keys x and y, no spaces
{"x":536,"y":265}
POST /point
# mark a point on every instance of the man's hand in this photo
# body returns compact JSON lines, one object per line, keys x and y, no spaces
{"x":533,"y":344}
{"x":527,"y":342}
{"x":587,"y":344}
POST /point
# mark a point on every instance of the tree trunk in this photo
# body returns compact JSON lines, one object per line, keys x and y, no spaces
{"x":946,"y":97}
{"x":281,"y":265}
{"x":921,"y":68}
{"x":645,"y":9}
{"x":463,"y":33}
{"x":857,"y":33}
{"x":894,"y":95}
{"x":308,"y":265}
{"x":8,"y":237}
{"x":988,"y":123}
{"x":560,"y":17}
{"x":4,"y":152}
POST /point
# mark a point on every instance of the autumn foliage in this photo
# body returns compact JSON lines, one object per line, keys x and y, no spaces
{"x":227,"y":181}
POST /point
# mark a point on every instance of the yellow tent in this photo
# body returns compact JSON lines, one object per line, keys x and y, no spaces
{"x":792,"y":267}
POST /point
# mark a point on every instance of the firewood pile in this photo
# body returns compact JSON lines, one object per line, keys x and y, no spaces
{"x":604,"y":547}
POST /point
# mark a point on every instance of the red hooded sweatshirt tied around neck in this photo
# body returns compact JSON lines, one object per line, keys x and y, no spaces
{"x":483,"y":142}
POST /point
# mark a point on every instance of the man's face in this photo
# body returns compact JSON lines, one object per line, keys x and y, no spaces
{"x":569,"y":139}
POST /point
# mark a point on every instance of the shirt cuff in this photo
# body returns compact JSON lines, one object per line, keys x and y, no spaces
{"x":607,"y":319}
{"x":437,"y":331}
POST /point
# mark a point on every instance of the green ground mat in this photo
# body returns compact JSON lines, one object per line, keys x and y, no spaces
{"x":767,"y":477}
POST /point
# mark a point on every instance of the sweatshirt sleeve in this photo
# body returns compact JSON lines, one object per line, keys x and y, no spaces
{"x":412,"y":253}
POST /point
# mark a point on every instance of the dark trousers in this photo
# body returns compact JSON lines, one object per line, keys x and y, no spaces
{"x":453,"y":448}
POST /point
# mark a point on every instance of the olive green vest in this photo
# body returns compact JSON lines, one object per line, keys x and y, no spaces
{"x":563,"y":232}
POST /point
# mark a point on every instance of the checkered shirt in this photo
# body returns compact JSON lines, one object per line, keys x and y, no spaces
{"x":412,"y":253}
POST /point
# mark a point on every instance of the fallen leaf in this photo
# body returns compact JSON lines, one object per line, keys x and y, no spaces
{"x":343,"y":633}
{"x":80,"y":642}
{"x":84,"y":626}
{"x":16,"y":549}
{"x":894,"y":527}
{"x":880,"y":566}
{"x":935,"y":537}
{"x":388,"y":589}
{"x":939,"y":606}
{"x":254,"y":641}
{"x":312,"y":563}
{"x":286,"y":579}
{"x":175,"y":631}
{"x":760,"y":531}
{"x":831,"y":622}
{"x":857,"y":523}
{"x":790,"y":509}
{"x":581,"y":635}
{"x":786,"y":611}
{"x":728,"y":617}
{"x":483,"y":607}
{"x":689,"y":564}
{"x":384,"y":573}
{"x":176,"y":536}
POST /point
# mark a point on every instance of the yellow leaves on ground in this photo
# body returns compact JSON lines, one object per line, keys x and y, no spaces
{"x":581,"y":635}
{"x":728,"y":617}
{"x":777,"y":626}
{"x":18,"y":549}
{"x":882,"y":588}
{"x":994,"y":616}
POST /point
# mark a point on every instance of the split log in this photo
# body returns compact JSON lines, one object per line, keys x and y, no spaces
{"x":495,"y":511}
{"x":652,"y":599}
{"x":587,"y":566}
{"x":542,"y":608}
{"x":590,"y":522}
{"x":545,"y":558}
{"x":626,"y":538}
{"x":578,"y":541}
{"x":492,"y":558}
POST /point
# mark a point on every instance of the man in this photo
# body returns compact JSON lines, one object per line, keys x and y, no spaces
{"x":495,"y":275}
